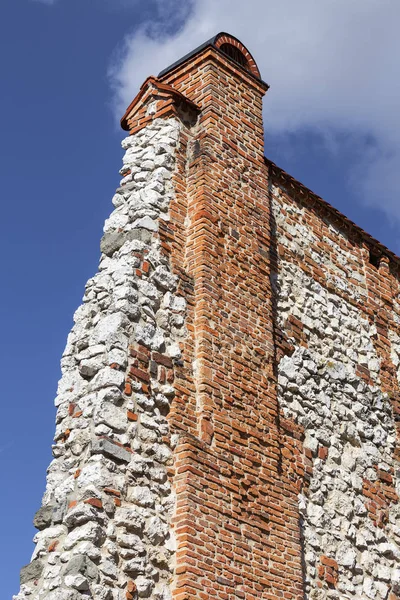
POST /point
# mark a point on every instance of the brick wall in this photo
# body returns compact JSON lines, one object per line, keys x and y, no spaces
{"x":236,"y":527}
{"x":242,"y":399}
{"x":237,"y":488}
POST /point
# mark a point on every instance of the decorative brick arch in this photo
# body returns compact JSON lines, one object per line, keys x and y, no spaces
{"x":225,"y":38}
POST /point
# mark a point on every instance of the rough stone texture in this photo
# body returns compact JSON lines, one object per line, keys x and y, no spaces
{"x":105,"y":518}
{"x":330,"y":384}
{"x":229,"y":414}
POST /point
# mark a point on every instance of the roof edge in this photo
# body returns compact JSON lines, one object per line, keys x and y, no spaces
{"x":153,"y":81}
{"x":367,"y":237}
{"x":186,"y":57}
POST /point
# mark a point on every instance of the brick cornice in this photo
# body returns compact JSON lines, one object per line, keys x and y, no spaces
{"x":226,"y":38}
{"x":153,"y":89}
{"x":215,"y":54}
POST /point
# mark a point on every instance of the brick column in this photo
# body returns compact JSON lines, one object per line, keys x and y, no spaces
{"x":237,"y":521}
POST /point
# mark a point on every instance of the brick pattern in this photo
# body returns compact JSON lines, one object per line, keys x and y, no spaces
{"x":244,"y":463}
{"x":328,"y":571}
{"x":379,"y":496}
{"x":238,"y":469}
{"x":229,"y":39}
{"x":157,"y":100}
{"x":240,"y":464}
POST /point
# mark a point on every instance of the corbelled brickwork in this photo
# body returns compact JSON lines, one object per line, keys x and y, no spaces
{"x":227,"y":418}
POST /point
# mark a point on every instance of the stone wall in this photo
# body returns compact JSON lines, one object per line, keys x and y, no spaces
{"x":238,"y":508}
{"x":330,"y":384}
{"x":104,"y":526}
{"x":229,"y":411}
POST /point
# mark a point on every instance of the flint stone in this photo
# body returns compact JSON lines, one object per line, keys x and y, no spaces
{"x":112,"y":416}
{"x":107,"y":377}
{"x":148,"y":289}
{"x":159,"y":475}
{"x":162,"y":592}
{"x":108,"y":448}
{"x":130,"y":309}
{"x":117,"y":356}
{"x":160,"y":557}
{"x":135,"y":566}
{"x":131,"y":541}
{"x":111,"y":242}
{"x":87,"y":549}
{"x":78,"y":440}
{"x":161,"y":453}
{"x":90,"y":532}
{"x":145,"y":335}
{"x":43,"y":517}
{"x":154,"y":423}
{"x":141,"y":234}
{"x":111,"y":548}
{"x":150,"y":196}
{"x":346,"y":555}
{"x":100,"y":592}
{"x":156,"y":530}
{"x":114,"y":240}
{"x":89,"y":367}
{"x":59,"y":511}
{"x":31,"y":571}
{"x":42,"y":538}
{"x":109,"y":568}
{"x":144,"y":586}
{"x":336,"y":371}
{"x":81,"y":565}
{"x":132,"y":518}
{"x":178,"y":304}
{"x":54,"y":570}
{"x":145,"y":223}
{"x":382,"y":572}
{"x":110,"y":394}
{"x":164,"y":160}
{"x":78,"y":582}
{"x":91,"y":491}
{"x":102,"y":431}
{"x":141,"y":496}
{"x":63,"y":594}
{"x":80,"y":514}
{"x":118,"y":200}
{"x":138,"y":465}
{"x":117,"y":220}
{"x":164,"y":279}
{"x":95,"y":473}
{"x":111,"y":330}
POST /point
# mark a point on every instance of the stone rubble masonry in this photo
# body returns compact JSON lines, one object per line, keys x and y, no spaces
{"x":338,"y":379}
{"x":228,"y":415}
{"x":104,"y":527}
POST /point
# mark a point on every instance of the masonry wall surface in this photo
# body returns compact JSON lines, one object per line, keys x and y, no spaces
{"x":337,"y":319}
{"x":227,"y":414}
{"x":238,"y":478}
{"x":105,"y":524}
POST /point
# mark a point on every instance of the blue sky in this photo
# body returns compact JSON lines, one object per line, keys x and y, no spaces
{"x":68,"y":67}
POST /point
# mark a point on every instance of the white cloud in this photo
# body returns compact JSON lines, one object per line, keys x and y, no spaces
{"x":332,"y":66}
